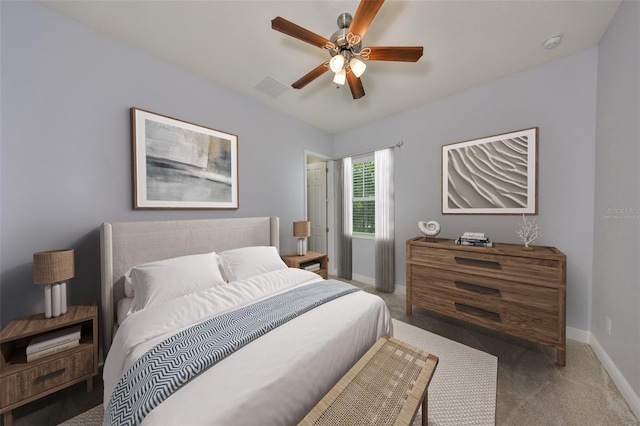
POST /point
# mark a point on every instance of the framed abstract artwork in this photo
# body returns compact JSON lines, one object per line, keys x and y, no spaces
{"x":181,"y":165}
{"x":492,"y":175}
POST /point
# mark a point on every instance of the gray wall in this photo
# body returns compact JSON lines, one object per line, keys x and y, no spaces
{"x":616,"y":270}
{"x":65,"y":156}
{"x":559,"y":97}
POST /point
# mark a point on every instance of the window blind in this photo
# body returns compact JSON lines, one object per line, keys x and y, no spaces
{"x":364,"y":191}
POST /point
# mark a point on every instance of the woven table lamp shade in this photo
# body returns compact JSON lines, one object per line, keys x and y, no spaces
{"x":302,"y":230}
{"x":52,"y":268}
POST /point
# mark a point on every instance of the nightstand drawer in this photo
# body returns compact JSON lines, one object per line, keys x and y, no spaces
{"x":42,"y":377}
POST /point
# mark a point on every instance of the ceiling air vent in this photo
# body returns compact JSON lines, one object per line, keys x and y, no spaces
{"x":271,"y":87}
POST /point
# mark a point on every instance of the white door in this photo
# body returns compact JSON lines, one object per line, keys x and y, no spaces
{"x":317,"y":206}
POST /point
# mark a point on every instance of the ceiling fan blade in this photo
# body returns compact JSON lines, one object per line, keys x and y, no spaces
{"x":355,"y":84}
{"x":367,"y":10}
{"x":293,"y":30}
{"x":309,"y":77}
{"x":395,"y":53}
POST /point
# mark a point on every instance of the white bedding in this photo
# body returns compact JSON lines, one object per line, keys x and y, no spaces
{"x":276,"y":379}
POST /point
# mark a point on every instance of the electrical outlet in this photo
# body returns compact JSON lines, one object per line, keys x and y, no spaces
{"x":607,"y":321}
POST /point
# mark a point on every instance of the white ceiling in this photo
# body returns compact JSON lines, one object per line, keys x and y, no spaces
{"x":466,"y":43}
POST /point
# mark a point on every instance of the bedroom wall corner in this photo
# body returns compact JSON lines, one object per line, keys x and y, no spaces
{"x":616,"y":272}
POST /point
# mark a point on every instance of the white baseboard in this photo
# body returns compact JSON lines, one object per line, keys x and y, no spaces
{"x":621,"y":383}
{"x":399,"y":289}
{"x":363,"y":279}
{"x":577,"y":334}
{"x":623,"y":386}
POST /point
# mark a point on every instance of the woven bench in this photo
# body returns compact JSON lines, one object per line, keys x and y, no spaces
{"x":385,"y":387}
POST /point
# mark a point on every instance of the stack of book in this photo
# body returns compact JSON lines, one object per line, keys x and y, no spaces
{"x":313,"y":266}
{"x":50,"y":343}
{"x":474,"y":239}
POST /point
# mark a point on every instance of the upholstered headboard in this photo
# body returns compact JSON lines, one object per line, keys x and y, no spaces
{"x":124,"y":245}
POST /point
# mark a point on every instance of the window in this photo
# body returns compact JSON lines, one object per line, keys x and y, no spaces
{"x":364,"y":197}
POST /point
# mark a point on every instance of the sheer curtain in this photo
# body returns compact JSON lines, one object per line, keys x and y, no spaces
{"x":344,"y":205}
{"x":385,"y":221}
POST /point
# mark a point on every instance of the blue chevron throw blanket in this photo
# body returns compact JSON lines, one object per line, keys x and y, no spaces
{"x":173,"y":362}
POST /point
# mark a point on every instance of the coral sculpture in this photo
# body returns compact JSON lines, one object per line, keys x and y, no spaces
{"x":529,"y":232}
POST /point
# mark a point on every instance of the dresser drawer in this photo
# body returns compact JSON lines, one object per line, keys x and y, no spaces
{"x":484,"y":288}
{"x":491,"y":263}
{"x":521,"y":321}
{"x":43,"y":377}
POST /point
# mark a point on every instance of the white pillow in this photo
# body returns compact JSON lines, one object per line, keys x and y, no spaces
{"x":157,"y":282}
{"x":123,"y":309}
{"x":246,"y":262}
{"x":128,"y":284}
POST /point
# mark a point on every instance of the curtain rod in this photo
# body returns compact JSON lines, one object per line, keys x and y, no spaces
{"x":398,"y":145}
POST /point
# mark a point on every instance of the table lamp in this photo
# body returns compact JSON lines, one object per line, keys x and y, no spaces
{"x":53,"y":268}
{"x":302,"y":230}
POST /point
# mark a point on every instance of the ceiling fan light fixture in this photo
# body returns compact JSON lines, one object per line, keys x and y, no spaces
{"x":345,"y":45}
{"x":340,"y":77}
{"x":357,"y":67}
{"x":336,"y":63}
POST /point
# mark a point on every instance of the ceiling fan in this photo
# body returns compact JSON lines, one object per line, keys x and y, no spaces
{"x":345,"y":47}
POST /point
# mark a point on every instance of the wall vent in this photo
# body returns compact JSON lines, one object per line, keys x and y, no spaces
{"x":271,"y":87}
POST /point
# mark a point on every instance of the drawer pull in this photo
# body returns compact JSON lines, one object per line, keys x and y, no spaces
{"x":491,"y":263}
{"x":477,"y":311}
{"x":477,"y":288}
{"x":50,"y":375}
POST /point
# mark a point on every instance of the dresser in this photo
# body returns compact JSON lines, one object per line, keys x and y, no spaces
{"x":505,"y":288}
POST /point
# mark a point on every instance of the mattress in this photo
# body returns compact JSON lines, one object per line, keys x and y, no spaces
{"x":276,"y":379}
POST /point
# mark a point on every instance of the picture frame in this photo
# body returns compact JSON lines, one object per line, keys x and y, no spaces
{"x":181,"y":165}
{"x":491,"y":175}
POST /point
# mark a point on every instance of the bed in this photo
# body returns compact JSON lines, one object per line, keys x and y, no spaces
{"x":273,"y":380}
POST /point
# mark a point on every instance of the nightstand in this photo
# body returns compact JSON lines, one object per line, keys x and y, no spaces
{"x":312,"y":261}
{"x":22,"y":382}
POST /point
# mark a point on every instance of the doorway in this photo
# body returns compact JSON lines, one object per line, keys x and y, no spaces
{"x":317,"y":201}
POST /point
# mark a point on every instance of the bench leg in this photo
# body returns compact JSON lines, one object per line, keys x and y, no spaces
{"x":425,"y":411}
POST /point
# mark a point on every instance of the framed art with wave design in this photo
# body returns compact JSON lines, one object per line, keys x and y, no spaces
{"x":492,"y":175}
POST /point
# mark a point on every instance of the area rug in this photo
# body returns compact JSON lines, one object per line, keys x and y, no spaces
{"x":92,"y":417}
{"x":462,"y":390}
